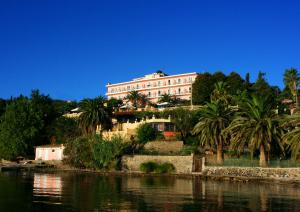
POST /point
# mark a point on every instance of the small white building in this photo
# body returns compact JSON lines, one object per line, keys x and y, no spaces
{"x":49,"y":152}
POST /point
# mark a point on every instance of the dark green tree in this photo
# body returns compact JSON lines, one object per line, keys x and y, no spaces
{"x":94,"y":114}
{"x":145,"y":132}
{"x":19,"y":129}
{"x":214,"y":119}
{"x":235,"y":83}
{"x":184,"y":121}
{"x":202,"y":88}
{"x":256,"y":127}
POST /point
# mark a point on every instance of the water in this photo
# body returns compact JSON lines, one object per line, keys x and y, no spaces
{"x":69,"y":191}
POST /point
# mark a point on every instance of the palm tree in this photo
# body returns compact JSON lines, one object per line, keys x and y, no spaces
{"x":215,"y":118}
{"x":291,"y":81}
{"x":220,"y":93}
{"x":257,"y":127}
{"x":165,"y":98}
{"x":143,"y":100}
{"x":292,"y":137}
{"x":93,"y":114}
{"x":134,"y":97}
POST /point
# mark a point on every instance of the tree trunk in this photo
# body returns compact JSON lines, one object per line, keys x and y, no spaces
{"x":262,"y":156}
{"x":297,"y":102}
{"x":220,"y":154}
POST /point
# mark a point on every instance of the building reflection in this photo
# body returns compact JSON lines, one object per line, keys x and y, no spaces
{"x":46,"y":187}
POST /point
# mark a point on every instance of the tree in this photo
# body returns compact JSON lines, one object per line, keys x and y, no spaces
{"x":93,"y":114}
{"x":214,"y":119}
{"x":2,"y":106}
{"x":220,"y":93}
{"x":165,"y":98}
{"x":292,"y":137}
{"x":256,"y":126}
{"x":218,"y":76}
{"x":145,"y":132}
{"x":134,"y":97}
{"x":235,"y":83}
{"x":202,"y":88}
{"x":63,"y":129}
{"x":291,"y":81}
{"x":20,"y":128}
{"x":183,"y":119}
{"x":113,"y":104}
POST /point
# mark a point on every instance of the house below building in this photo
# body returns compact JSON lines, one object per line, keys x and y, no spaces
{"x":127,"y":130}
{"x":49,"y":152}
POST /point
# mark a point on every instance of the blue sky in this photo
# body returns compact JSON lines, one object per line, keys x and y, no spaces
{"x":71,"y":49}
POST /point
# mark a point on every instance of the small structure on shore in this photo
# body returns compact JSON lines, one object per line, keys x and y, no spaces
{"x":49,"y":152}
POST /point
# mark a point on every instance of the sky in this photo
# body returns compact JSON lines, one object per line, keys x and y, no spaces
{"x":72,"y":49}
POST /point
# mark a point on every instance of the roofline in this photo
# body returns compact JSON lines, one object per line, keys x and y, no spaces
{"x":142,"y":80}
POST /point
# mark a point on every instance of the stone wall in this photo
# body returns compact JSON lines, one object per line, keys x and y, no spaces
{"x":182,"y":164}
{"x":164,"y":146}
{"x":255,"y":172}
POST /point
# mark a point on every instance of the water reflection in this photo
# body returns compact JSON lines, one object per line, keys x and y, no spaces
{"x":47,"y":188}
{"x":92,"y":192}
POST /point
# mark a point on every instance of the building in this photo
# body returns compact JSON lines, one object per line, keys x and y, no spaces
{"x":154,"y":86}
{"x":49,"y":152}
{"x":127,"y":130}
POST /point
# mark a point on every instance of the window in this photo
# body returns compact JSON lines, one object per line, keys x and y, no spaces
{"x":149,"y":94}
{"x":53,"y":150}
{"x":128,"y":88}
{"x":179,"y":81}
{"x":137,"y":86}
{"x":158,"y":83}
{"x":179,"y":90}
{"x":169,"y":82}
{"x":159,"y":93}
{"x":190,"y":89}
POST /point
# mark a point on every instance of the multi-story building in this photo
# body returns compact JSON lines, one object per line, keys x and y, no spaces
{"x":154,"y":86}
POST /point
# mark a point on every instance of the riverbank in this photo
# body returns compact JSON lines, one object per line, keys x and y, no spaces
{"x":233,"y":174}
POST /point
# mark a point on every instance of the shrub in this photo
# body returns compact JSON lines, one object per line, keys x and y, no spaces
{"x":145,"y":133}
{"x":150,"y":167}
{"x":78,"y":153}
{"x":165,"y":168}
{"x":94,"y":152}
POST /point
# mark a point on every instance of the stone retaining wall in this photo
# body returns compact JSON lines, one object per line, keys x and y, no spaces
{"x":164,"y":146}
{"x":256,"y":172}
{"x":182,"y":164}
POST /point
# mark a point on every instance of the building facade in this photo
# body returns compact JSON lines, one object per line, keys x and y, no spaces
{"x":154,"y":86}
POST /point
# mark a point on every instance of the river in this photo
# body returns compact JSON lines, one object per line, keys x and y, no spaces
{"x":73,"y":191}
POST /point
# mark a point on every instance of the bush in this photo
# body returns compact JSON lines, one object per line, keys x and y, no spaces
{"x":78,"y":153}
{"x":150,"y":167}
{"x":145,"y":133}
{"x":165,"y":168}
{"x":94,"y":152}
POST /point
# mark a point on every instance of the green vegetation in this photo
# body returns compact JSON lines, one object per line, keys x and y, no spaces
{"x":235,"y":115}
{"x":153,"y":167}
{"x":94,"y":152}
{"x":215,"y":118}
{"x":257,"y":127}
{"x":93,"y":114}
{"x":145,"y":133}
{"x":184,"y":121}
